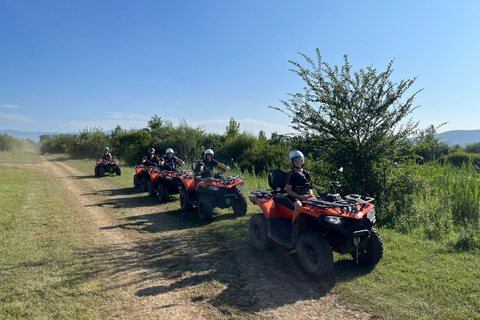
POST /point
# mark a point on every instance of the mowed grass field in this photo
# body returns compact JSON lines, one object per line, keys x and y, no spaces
{"x":44,"y":271}
{"x":47,"y":270}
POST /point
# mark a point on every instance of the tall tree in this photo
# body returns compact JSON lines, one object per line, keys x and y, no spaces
{"x":355,"y":118}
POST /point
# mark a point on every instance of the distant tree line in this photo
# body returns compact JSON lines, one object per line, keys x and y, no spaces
{"x":10,"y":143}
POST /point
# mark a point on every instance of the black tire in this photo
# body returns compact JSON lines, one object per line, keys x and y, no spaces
{"x":373,"y":252}
{"x":186,"y":206}
{"x":162,"y":192}
{"x":205,"y":208}
{"x":257,"y":230}
{"x":315,"y":254}
{"x":96,"y":172}
{"x":150,"y":190}
{"x":118,"y":171}
{"x":144,"y":184}
{"x":136,"y":181}
{"x":101,"y":171}
{"x":240,"y":205}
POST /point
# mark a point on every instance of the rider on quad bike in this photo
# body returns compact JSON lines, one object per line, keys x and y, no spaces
{"x":316,"y":226}
{"x":149,"y":162}
{"x":208,"y":190}
{"x":209,"y":163}
{"x":106,"y":155}
{"x":169,"y":161}
{"x":107,"y":164}
{"x":299,"y":184}
{"x":166,"y":180}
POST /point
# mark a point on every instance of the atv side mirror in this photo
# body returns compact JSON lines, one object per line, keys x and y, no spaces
{"x":340,"y":170}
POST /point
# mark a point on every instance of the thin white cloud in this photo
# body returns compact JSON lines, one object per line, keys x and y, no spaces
{"x":15,"y":117}
{"x":128,"y":117}
{"x":9,"y":106}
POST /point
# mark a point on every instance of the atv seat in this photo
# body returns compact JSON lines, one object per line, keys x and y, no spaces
{"x":282,"y":200}
{"x":277,"y":179}
{"x":196,"y":166}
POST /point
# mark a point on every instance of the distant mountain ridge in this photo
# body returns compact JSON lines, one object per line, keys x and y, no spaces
{"x":453,"y":137}
{"x":461,"y":137}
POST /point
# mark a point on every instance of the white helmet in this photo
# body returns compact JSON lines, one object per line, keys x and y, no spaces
{"x":209,"y":151}
{"x":296,"y":154}
{"x":169,"y":150}
{"x":151,"y":150}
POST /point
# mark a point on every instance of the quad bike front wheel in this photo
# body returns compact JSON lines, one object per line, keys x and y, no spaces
{"x":136,"y":181}
{"x":315,"y":254}
{"x":205,"y":208}
{"x":186,"y":206}
{"x":162,"y":192}
{"x":101,"y":171}
{"x":373,"y":252}
{"x":150,"y":190}
{"x":145,"y":183}
{"x":118,"y":171}
{"x":240,"y":205}
{"x":96,"y":171}
{"x":257,"y":230}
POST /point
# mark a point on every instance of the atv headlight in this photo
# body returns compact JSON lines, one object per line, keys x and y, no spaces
{"x":213,"y":188}
{"x":371,"y":215}
{"x":333,"y":219}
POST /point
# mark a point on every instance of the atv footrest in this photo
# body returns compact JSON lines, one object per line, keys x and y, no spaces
{"x":280,"y":230}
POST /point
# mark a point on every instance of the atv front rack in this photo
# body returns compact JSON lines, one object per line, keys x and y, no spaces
{"x":225,"y":180}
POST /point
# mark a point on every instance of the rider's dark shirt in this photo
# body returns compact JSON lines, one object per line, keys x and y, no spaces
{"x":107,"y":156}
{"x":210,"y":164}
{"x":300,"y":185}
{"x":169,"y":164}
{"x":152,"y":162}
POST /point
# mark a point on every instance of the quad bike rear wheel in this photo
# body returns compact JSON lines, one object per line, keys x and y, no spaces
{"x":162,"y":192}
{"x":150,"y":190}
{"x":240,"y":205}
{"x":144,"y":185}
{"x":257,"y":230}
{"x":205,"y":208}
{"x":315,"y":254}
{"x":136,"y":181}
{"x":101,"y":171}
{"x":186,"y":206}
{"x":373,"y":252}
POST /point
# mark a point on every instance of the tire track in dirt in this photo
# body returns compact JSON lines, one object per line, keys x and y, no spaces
{"x":174,"y":269}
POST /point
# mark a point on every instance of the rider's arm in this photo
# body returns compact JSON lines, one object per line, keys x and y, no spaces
{"x":181,"y":161}
{"x":292,"y":193}
{"x":221,"y":165}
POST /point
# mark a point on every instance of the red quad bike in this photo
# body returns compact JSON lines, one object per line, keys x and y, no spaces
{"x":163,"y":183}
{"x":110,"y":166}
{"x":324,"y":224}
{"x":208,"y":193}
{"x":141,"y":177}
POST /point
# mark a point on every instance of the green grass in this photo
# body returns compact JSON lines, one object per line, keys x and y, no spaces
{"x":42,"y":259}
{"x":416,"y":279}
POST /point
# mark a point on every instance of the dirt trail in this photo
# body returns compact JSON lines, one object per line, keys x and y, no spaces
{"x":174,"y":269}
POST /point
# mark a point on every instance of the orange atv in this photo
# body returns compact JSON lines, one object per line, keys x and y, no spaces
{"x":212,"y":192}
{"x":163,"y":183}
{"x":110,"y":166}
{"x":141,"y":177}
{"x":322,"y":225}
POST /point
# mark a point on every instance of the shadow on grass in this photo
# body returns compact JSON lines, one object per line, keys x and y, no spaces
{"x":250,"y":280}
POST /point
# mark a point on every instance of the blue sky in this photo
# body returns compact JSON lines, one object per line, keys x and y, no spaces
{"x":68,"y":65}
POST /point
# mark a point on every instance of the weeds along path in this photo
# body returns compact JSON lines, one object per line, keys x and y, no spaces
{"x":162,"y":263}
